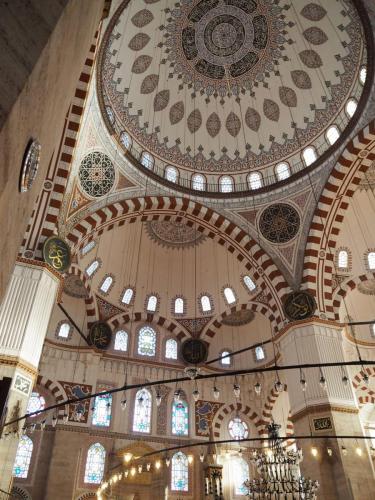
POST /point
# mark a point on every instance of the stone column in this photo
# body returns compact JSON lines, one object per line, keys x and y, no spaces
{"x":333,"y":411}
{"x":24,"y":317}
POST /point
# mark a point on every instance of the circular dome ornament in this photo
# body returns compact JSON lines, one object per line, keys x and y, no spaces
{"x":279,"y":223}
{"x":194,"y":351}
{"x":100,"y":335}
{"x":299,"y":305}
{"x":30,"y":165}
{"x":96,"y":174}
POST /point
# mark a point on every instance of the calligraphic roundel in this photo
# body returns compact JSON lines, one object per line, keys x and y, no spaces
{"x":56,"y":253}
{"x":299,"y":305}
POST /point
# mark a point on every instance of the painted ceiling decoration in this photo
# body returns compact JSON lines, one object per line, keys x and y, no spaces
{"x":238,"y":318}
{"x":96,"y":174}
{"x":229,"y":86}
{"x":74,"y":286}
{"x":173,"y":234}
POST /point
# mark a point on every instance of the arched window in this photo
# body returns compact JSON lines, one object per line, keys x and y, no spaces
{"x":88,"y":247}
{"x":127,"y":296}
{"x":282,"y":171}
{"x":372,"y":330}
{"x":343,"y":259}
{"x":225,"y":359}
{"x":332,"y":134}
{"x":147,"y":160}
{"x":92,"y":268}
{"x":226,"y":184}
{"x":152,"y":303}
{"x":126,"y":140}
{"x":249,"y":283}
{"x":171,"y":349}
{"x":23,"y":457}
{"x":179,"y":305}
{"x":180,"y":472}
{"x":36,"y":403}
{"x":198,"y":182}
{"x":180,"y":418}
{"x":238,"y":429}
{"x":121,"y":341}
{"x":254,"y":180}
{"x":240,"y":474}
{"x":171,"y":174}
{"x":371,"y":260}
{"x":309,"y":155}
{"x":206,"y":303}
{"x":95,"y":463}
{"x":259,"y":353}
{"x":147,"y":341}
{"x":229,"y":295}
{"x":106,"y":284}
{"x":102,"y":410}
{"x":142,"y":411}
{"x":64,"y":330}
{"x":363,"y":75}
{"x":351,"y":107}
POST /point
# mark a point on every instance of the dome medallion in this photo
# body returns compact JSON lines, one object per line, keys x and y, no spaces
{"x":228,"y":87}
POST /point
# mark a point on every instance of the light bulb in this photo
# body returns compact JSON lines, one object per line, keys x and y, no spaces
{"x":314,"y":451}
{"x":201,"y":457}
{"x":123,"y":404}
{"x":177,"y":395}
{"x":366,"y":379}
{"x":345,"y":380}
{"x":279,"y":387}
{"x":190,"y":459}
{"x":65,"y":418}
{"x":54,"y":421}
{"x":43,"y":425}
{"x":196,"y":395}
{"x":167,"y":462}
{"x":216,"y":393}
{"x":148,"y":466}
{"x":128,"y":457}
{"x":323,"y":383}
{"x":344,"y":451}
{"x":126,"y":473}
{"x":258,"y":388}
{"x":330,"y":452}
{"x":303,"y":384}
{"x":157,"y":464}
{"x":358,"y":450}
{"x":133,"y":471}
{"x":236,"y":390}
{"x":158,"y":399}
{"x":139,"y":469}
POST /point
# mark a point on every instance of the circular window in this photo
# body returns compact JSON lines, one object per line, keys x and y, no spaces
{"x":96,"y":174}
{"x":238,"y":429}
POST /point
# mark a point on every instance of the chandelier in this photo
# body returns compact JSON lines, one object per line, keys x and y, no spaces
{"x":279,"y":472}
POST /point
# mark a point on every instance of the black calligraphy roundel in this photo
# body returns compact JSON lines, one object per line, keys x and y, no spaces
{"x":299,"y":305}
{"x":56,"y":253}
{"x":194,"y":351}
{"x":100,"y":335}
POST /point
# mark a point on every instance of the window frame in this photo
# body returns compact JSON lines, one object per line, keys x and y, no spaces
{"x":106,"y":277}
{"x":148,"y":297}
{"x":30,"y":451}
{"x":347,"y":104}
{"x":200,"y":305}
{"x":229,"y":358}
{"x":59,"y":326}
{"x":204,"y":184}
{"x":150,"y":162}
{"x":231,"y":183}
{"x":147,"y":356}
{"x":187,"y":414}
{"x":125,"y":289}
{"x":92,"y":274}
{"x":260,"y":180}
{"x":100,"y":397}
{"x":186,"y":465}
{"x":165,"y":349}
{"x":122,"y":133}
{"x":256,"y":359}
{"x":244,"y":276}
{"x":327,"y":132}
{"x":312,"y":148}
{"x":279,"y":177}
{"x":370,"y":251}
{"x":169,"y":168}
{"x":86,"y":463}
{"x":120,"y":330}
{"x":150,"y":410}
{"x":229,"y":304}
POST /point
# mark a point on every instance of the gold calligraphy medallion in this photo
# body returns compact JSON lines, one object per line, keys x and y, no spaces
{"x":57,"y":254}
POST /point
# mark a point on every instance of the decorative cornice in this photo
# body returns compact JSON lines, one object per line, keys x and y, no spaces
{"x":18,"y":363}
{"x":311,"y":410}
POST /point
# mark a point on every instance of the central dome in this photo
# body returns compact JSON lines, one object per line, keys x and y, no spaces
{"x":228,"y":87}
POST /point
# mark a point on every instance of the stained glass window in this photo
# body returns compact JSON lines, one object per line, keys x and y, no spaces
{"x":64,"y":330}
{"x":259,"y":353}
{"x":241,"y":474}
{"x":238,"y":429}
{"x":343,"y":259}
{"x":36,"y":403}
{"x":226,"y":184}
{"x":229,"y":295}
{"x":179,"y":305}
{"x":146,"y":341}
{"x":106,"y":284}
{"x":95,"y":464}
{"x":92,"y":268}
{"x":142,"y":411}
{"x":255,"y":180}
{"x":206,"y":303}
{"x":102,"y":411}
{"x":171,"y":349}
{"x":127,"y":296}
{"x":180,"y":418}
{"x":171,"y":174}
{"x":198,"y":182}
{"x":249,"y":283}
{"x":225,"y":360}
{"x":152,"y":302}
{"x":121,"y":341}
{"x":371,"y":260}
{"x":180,"y":472}
{"x":23,"y":457}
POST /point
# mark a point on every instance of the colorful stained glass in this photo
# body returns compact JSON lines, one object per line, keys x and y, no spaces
{"x":36,"y":403}
{"x":238,"y":429}
{"x":23,"y":457}
{"x":142,"y":411}
{"x":241,"y":474}
{"x":95,"y":464}
{"x":180,"y":472}
{"x":102,"y":412}
{"x":146,"y":341}
{"x":121,"y":341}
{"x":171,"y":349}
{"x":180,"y":418}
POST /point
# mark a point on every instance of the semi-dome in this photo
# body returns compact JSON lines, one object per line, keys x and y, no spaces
{"x":230,"y":95}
